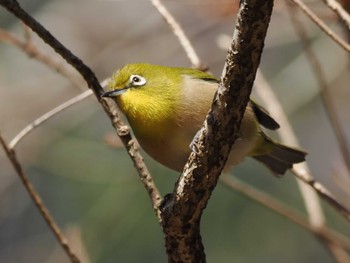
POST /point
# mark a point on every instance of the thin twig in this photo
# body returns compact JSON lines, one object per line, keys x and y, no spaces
{"x":288,"y":136}
{"x":282,"y":209}
{"x":322,"y":82}
{"x":32,"y":51}
{"x":109,"y":107}
{"x":38,"y":202}
{"x":313,"y":206}
{"x":304,"y":176}
{"x":312,"y":203}
{"x":43,"y":118}
{"x":311,"y":200}
{"x":179,"y":33}
{"x":339,"y":253}
{"x":27,"y":33}
{"x":30,"y":127}
{"x":322,"y":25}
{"x":211,"y":146}
{"x":132,"y":147}
{"x":340,"y":11}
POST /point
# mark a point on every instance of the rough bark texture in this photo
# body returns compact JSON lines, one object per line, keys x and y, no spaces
{"x":182,"y":211}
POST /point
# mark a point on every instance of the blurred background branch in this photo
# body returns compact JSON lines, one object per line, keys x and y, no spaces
{"x":314,"y":209}
{"x":325,"y":91}
{"x":104,"y":226}
{"x":321,"y":25}
{"x":50,"y":221}
{"x":282,"y":209}
{"x":30,"y":127}
{"x":122,"y":130}
{"x":32,"y":51}
{"x":340,"y":11}
{"x":179,"y":33}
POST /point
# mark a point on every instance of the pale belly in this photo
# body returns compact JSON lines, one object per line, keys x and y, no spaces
{"x":173,"y":149}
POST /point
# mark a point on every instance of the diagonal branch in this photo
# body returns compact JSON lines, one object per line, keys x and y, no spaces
{"x":30,"y":127}
{"x":90,"y":78}
{"x":323,"y":85}
{"x":287,"y":135}
{"x":321,"y":25}
{"x":316,"y":217}
{"x":340,"y":11}
{"x":275,"y":205}
{"x":178,"y":32}
{"x":38,"y":202}
{"x":32,"y":51}
{"x":311,"y":200}
{"x":304,"y":176}
{"x":182,"y":211}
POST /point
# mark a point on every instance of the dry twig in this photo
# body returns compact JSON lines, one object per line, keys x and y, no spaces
{"x":324,"y":88}
{"x":340,"y":11}
{"x":32,"y":51}
{"x":266,"y":200}
{"x":314,"y":209}
{"x":321,"y":25}
{"x":288,"y":136}
{"x":38,"y":202}
{"x":182,"y":211}
{"x":301,"y":171}
{"x":178,"y":32}
{"x":304,"y":176}
{"x":90,"y":78}
{"x":311,"y":200}
{"x":30,"y":127}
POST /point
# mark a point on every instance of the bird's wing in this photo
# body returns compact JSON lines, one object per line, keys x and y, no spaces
{"x":198,"y":74}
{"x":261,"y":114}
{"x":264,"y":117}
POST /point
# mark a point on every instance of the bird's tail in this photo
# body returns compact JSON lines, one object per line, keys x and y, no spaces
{"x":280,"y":158}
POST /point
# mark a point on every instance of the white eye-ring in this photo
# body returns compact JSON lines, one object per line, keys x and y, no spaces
{"x":137,"y":80}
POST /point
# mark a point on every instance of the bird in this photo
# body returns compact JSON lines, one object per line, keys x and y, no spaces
{"x":166,"y":106}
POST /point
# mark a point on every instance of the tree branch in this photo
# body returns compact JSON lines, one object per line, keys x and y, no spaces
{"x":267,"y":201}
{"x":304,"y":176}
{"x":323,"y":86}
{"x":90,"y":78}
{"x":50,"y":221}
{"x":179,"y":33}
{"x":32,"y":51}
{"x":340,"y":11}
{"x":182,"y":211}
{"x":321,"y":25}
{"x":286,"y":133}
{"x":31,"y":126}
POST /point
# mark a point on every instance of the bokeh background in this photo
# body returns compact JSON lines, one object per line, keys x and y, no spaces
{"x":91,"y":187}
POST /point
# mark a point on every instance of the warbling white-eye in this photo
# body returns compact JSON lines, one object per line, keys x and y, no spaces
{"x":166,"y":106}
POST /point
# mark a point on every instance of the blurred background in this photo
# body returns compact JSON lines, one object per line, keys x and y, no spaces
{"x":92,"y":188}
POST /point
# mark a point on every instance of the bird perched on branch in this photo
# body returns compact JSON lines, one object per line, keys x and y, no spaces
{"x":166,"y":106}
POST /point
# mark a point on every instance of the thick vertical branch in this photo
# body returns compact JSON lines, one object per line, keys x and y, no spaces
{"x":182,"y":211}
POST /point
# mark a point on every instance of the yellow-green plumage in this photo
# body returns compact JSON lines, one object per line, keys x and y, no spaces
{"x":166,"y":106}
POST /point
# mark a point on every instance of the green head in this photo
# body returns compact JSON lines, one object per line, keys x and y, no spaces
{"x":151,"y":95}
{"x":150,"y":87}
{"x":147,"y":94}
{"x":143,"y":78}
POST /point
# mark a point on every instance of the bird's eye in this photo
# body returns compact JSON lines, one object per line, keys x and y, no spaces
{"x":137,"y":80}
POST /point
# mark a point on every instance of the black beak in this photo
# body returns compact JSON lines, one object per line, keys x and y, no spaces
{"x":113,"y":93}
